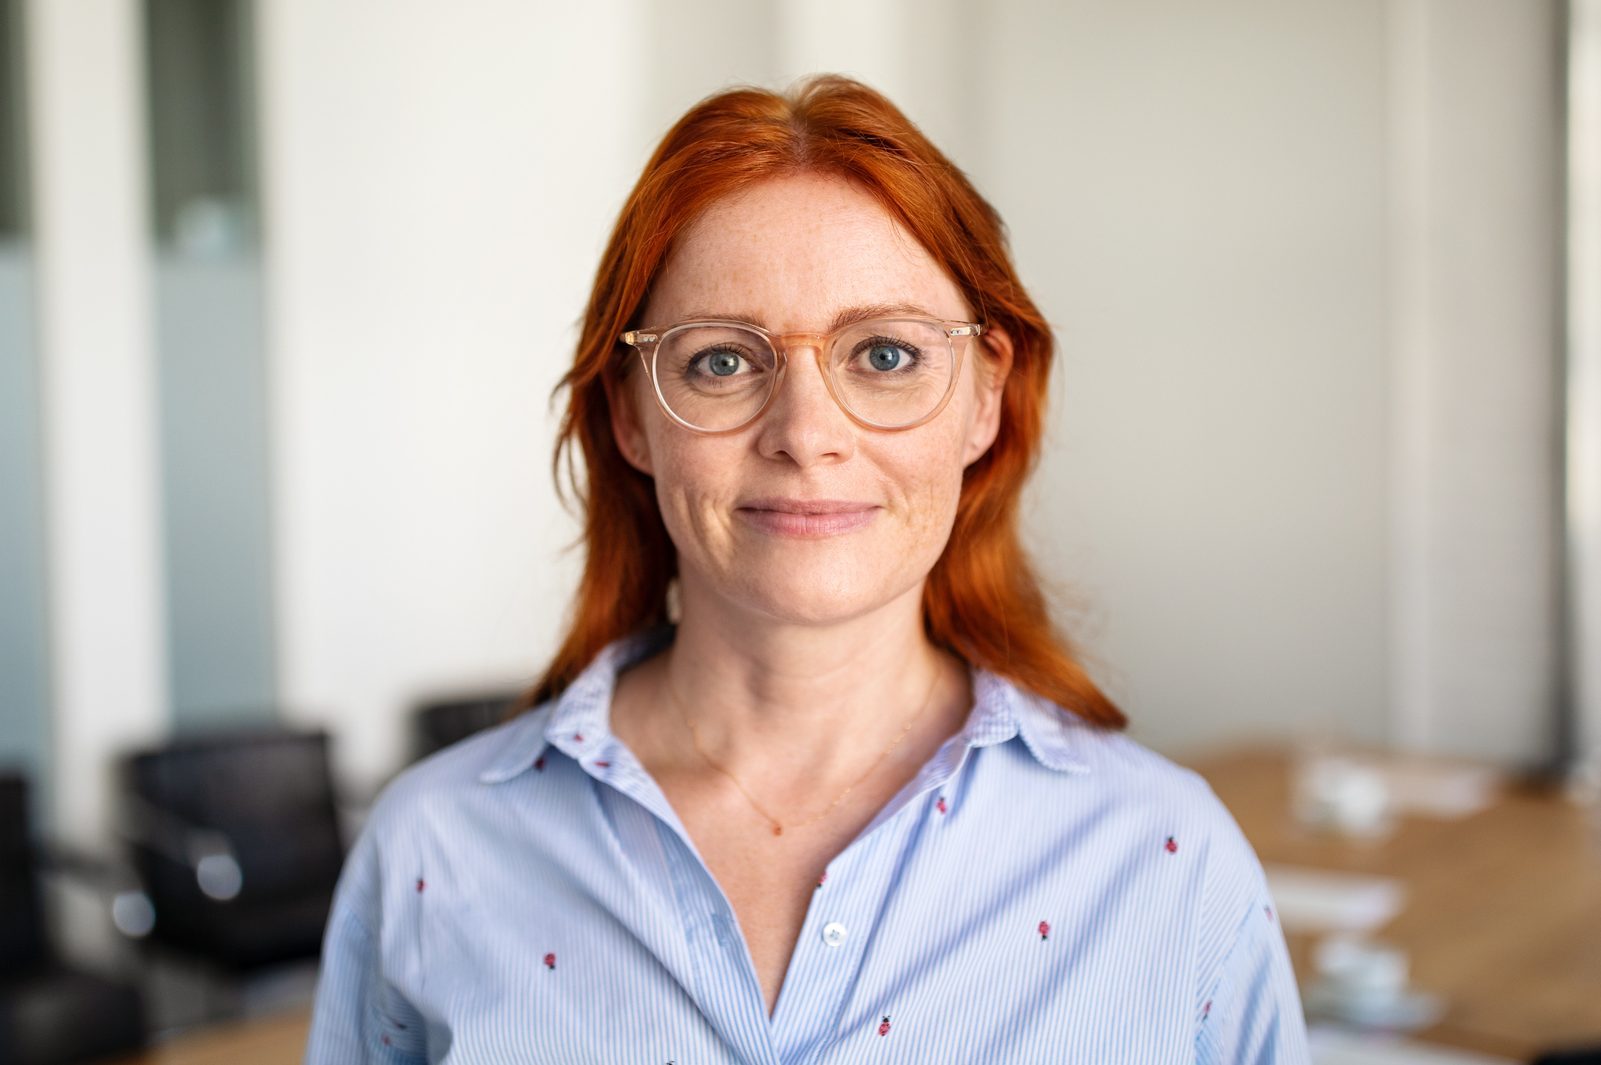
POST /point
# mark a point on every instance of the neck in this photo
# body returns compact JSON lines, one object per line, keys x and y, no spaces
{"x":808,"y":704}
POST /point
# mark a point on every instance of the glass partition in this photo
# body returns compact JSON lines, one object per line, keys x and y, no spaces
{"x":24,"y":658}
{"x":211,"y":360}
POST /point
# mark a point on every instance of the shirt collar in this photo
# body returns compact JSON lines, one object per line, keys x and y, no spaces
{"x":577,"y":722}
{"x":1001,"y":711}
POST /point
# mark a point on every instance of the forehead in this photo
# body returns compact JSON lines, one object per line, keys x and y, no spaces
{"x":790,"y":253}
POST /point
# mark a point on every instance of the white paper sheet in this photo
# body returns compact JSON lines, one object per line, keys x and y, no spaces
{"x":1318,"y":900}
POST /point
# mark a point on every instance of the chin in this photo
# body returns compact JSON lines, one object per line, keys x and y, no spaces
{"x":805,"y":595}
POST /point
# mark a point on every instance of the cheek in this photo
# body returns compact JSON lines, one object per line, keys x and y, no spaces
{"x":928,"y":473}
{"x":695,"y":480}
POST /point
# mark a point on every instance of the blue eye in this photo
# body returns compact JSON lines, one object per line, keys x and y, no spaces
{"x":723,"y":363}
{"x":884,"y":356}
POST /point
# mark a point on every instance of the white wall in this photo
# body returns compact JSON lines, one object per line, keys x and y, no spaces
{"x":438,"y":181}
{"x":1197,"y":196}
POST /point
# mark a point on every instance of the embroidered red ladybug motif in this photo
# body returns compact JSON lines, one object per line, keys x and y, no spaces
{"x":1206,"y":1010}
{"x":883,"y":1025}
{"x":578,"y":737}
{"x":420,"y":885}
{"x":821,"y":879}
{"x":1045,"y":929}
{"x":603,"y":765}
{"x":940,"y":805}
{"x":1172,"y":845}
{"x":550,"y":961}
{"x":539,"y":763}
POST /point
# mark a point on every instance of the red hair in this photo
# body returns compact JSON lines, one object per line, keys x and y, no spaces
{"x":982,"y":600}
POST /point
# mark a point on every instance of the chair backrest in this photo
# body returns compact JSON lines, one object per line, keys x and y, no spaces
{"x":442,"y":722}
{"x":22,"y":936}
{"x":270,"y":791}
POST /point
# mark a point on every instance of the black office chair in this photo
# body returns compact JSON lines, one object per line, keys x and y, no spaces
{"x":51,"y":1012}
{"x":237,"y":838}
{"x":441,"y":722}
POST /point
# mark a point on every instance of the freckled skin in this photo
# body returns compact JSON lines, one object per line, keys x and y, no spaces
{"x":795,"y":251}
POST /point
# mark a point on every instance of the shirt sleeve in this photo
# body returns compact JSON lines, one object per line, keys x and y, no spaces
{"x":359,"y":1017}
{"x":1252,"y":1014}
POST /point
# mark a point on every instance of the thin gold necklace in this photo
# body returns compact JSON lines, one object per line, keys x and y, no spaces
{"x":778,"y":828}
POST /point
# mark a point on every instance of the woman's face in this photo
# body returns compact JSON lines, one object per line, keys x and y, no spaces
{"x":792,"y":255}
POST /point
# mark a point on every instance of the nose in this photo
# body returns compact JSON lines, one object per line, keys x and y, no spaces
{"x":804,"y":423}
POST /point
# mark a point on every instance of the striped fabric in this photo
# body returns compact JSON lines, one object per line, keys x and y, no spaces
{"x":1040,"y":892}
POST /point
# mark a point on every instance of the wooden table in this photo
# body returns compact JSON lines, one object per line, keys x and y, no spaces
{"x":277,"y":1040}
{"x":1502,"y":913}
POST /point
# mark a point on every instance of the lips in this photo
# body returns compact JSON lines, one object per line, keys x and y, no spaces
{"x":785,"y":505}
{"x":806,"y":518}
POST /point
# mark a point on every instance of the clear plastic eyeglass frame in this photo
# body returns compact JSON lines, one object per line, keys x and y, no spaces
{"x":648,"y":341}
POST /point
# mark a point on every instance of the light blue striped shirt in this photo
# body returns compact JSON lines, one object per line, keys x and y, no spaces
{"x":1041,"y":891}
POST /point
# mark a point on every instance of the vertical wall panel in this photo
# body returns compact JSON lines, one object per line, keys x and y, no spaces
{"x":98,"y":409}
{"x":213,"y":378}
{"x":216,"y":477}
{"x":24,"y":647}
{"x":1476,"y":350}
{"x":1584,"y":378}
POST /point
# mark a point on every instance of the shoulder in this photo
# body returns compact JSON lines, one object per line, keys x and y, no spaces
{"x":1140,"y":793}
{"x":436,"y":782}
{"x":1230,"y":889}
{"x":432,"y":808}
{"x":429,"y":806}
{"x":1135,"y":773}
{"x":1175,"y":869}
{"x":1227,"y":895}
{"x":1115,"y":768}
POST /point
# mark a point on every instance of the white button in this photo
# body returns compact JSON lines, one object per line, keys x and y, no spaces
{"x":833,"y":933}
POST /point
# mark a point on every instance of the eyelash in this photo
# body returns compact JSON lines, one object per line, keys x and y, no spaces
{"x":697,"y":364}
{"x":869,"y":343}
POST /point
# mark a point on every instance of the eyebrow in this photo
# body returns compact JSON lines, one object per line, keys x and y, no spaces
{"x":846,"y":316}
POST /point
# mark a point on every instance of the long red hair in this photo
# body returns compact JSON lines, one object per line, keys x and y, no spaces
{"x":982,"y":600}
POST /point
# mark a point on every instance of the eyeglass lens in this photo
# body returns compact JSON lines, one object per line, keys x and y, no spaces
{"x":887,"y":372}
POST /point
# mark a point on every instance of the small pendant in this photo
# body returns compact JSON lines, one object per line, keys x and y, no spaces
{"x":778,"y":830}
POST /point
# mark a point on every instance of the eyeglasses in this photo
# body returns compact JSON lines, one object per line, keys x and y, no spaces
{"x":885,"y":373}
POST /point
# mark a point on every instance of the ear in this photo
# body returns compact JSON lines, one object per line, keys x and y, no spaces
{"x":622,"y":394}
{"x":991,"y":356}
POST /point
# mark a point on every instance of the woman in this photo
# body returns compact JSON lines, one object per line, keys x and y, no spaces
{"x":853,"y":800}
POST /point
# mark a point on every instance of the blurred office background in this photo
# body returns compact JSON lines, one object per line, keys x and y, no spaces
{"x":285,"y":288}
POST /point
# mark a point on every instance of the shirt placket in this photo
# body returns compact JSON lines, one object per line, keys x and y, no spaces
{"x":843,"y":916}
{"x":834,"y":940}
{"x":724,"y":985}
